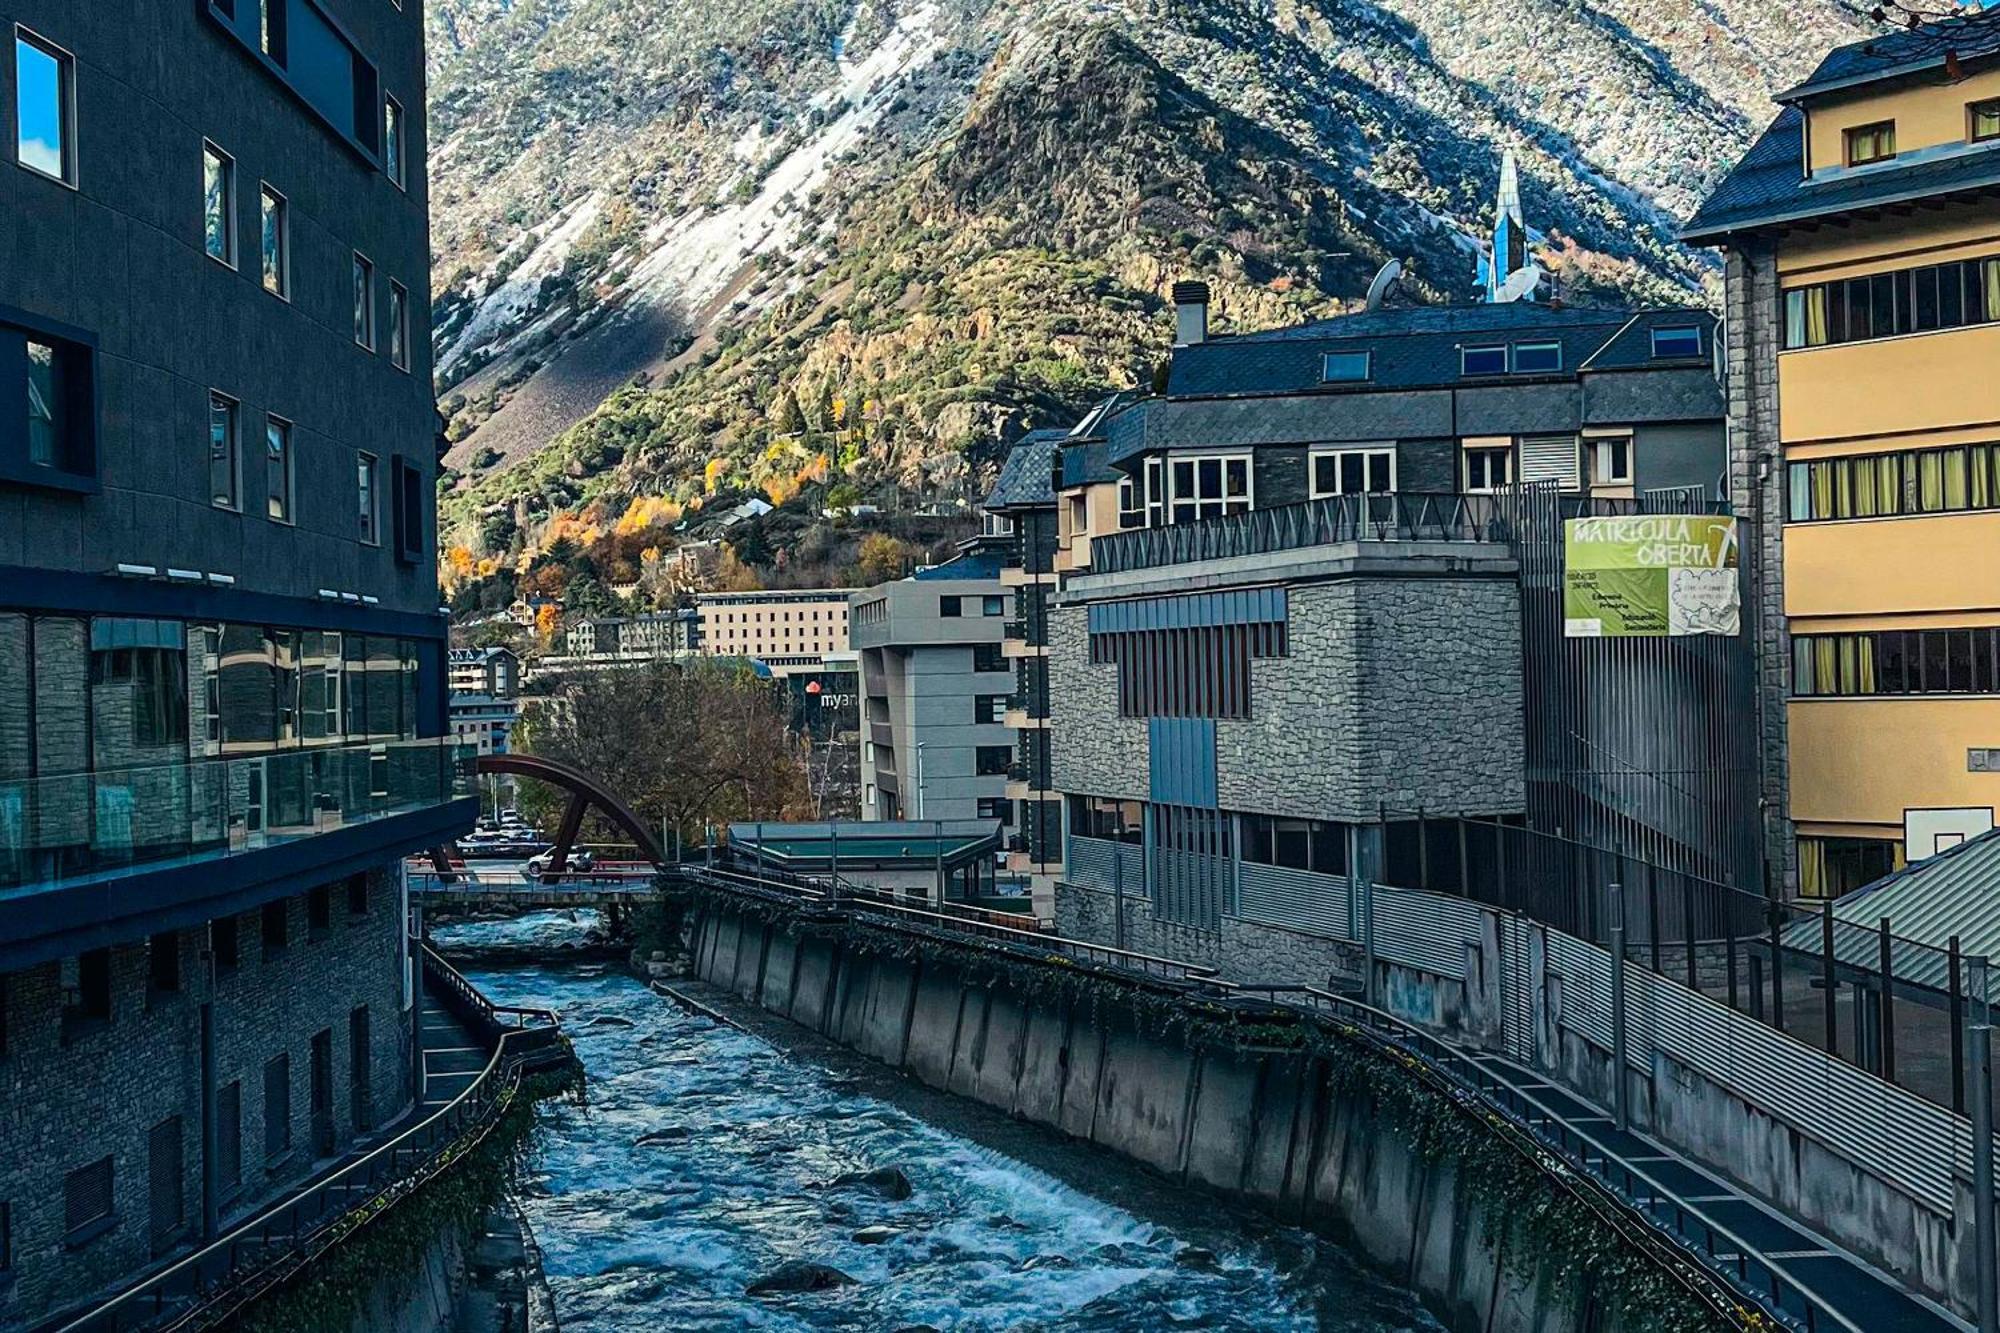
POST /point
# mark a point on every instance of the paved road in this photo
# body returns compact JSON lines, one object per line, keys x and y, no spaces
{"x":1722,"y":1219}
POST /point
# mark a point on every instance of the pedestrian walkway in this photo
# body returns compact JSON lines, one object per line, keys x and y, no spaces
{"x":1726,"y":1223}
{"x":453,"y":1056}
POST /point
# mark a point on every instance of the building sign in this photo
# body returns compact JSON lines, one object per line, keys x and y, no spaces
{"x":1650,"y":576}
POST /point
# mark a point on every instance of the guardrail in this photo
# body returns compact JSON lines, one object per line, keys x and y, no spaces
{"x":976,"y":922}
{"x":1339,"y":518}
{"x":220,"y":1280}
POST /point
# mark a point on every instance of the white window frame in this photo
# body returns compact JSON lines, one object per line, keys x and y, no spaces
{"x":1367,"y":367}
{"x":1367,"y":452}
{"x":1598,"y":449}
{"x":268,"y":192}
{"x":1155,"y":492}
{"x":364,"y":307}
{"x":65,"y":92}
{"x":369,"y":500}
{"x":228,"y":256}
{"x":1222,"y":504}
{"x":1514,"y":357}
{"x":1464,"y":352}
{"x":1487,"y":451}
{"x":235,"y":451}
{"x":1131,"y":503}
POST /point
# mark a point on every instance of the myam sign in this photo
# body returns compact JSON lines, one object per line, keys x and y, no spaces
{"x":1650,"y":576}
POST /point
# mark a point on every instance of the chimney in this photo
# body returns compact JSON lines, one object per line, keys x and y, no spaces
{"x":1190,"y":313}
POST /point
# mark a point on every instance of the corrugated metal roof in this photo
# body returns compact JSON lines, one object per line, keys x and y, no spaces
{"x":1956,"y":892}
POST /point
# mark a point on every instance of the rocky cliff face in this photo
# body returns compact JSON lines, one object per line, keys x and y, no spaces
{"x":786,"y":244}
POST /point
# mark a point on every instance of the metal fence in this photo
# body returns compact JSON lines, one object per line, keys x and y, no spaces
{"x":1340,"y":518}
{"x":1891,"y":1006}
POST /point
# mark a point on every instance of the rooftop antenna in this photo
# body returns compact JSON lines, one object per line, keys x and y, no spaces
{"x":1385,"y":282}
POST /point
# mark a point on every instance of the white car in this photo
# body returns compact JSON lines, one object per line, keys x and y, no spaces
{"x":579,"y":863}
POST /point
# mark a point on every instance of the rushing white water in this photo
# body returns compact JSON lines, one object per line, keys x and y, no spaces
{"x":668,"y":1234}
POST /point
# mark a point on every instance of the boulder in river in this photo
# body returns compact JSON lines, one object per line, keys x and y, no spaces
{"x":887,"y":1181}
{"x":1193,"y":1256}
{"x":609,"y":1021}
{"x":876,"y":1235}
{"x":798,"y":1275}
{"x":671,"y":1134}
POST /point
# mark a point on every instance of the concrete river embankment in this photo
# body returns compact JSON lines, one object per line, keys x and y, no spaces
{"x":708,"y":1159}
{"x":1309,"y":1121}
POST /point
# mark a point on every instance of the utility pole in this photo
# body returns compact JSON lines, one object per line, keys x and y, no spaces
{"x":920,"y":779}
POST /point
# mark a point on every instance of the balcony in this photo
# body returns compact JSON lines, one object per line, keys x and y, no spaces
{"x":1341,"y":518}
{"x":77,"y":826}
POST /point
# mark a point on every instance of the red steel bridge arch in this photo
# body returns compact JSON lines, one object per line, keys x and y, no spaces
{"x":584,"y":791}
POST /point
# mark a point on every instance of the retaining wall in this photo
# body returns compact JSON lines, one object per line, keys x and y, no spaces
{"x":1271,"y":1127}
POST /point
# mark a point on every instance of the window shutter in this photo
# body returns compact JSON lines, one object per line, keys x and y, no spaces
{"x":1550,"y":458}
{"x":87,"y":1195}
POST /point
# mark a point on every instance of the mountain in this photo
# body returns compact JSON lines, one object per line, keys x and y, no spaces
{"x":696,"y":246}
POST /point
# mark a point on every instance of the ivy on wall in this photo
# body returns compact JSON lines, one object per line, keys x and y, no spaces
{"x":381,"y":1250}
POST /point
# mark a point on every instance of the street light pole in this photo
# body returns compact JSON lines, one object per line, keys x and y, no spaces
{"x":1979,"y":1090}
{"x":920,"y":779}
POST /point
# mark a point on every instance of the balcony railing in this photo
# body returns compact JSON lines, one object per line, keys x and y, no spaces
{"x":55,"y":829}
{"x":1339,"y":518}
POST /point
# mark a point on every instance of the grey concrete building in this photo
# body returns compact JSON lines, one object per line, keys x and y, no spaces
{"x":935,"y":690}
{"x":222,"y":662}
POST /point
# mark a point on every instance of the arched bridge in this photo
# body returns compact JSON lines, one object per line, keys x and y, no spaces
{"x":557,"y":885}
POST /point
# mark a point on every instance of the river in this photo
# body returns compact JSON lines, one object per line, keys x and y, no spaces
{"x":1005,"y":1227}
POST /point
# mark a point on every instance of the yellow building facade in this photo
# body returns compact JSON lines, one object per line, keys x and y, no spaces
{"x":1862,"y":234}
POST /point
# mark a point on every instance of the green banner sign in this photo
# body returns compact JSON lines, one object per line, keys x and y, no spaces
{"x":1650,"y":576}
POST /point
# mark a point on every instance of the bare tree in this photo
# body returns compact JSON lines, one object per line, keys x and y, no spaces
{"x":682,"y":743}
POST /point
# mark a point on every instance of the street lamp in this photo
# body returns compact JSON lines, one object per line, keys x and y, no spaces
{"x":920,"y":779}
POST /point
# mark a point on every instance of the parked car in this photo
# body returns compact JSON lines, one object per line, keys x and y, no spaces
{"x":579,"y":863}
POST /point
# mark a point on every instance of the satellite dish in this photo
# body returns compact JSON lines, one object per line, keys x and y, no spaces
{"x":1520,"y":285}
{"x":1385,"y":281}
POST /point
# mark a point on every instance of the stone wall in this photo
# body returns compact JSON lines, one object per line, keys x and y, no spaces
{"x":68,"y":1101}
{"x":1756,"y":489}
{"x":1092,"y":749}
{"x":1404,"y":691}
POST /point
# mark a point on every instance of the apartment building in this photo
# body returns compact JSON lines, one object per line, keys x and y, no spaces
{"x":1863,"y":254}
{"x":492,"y":671}
{"x":936,"y":686}
{"x":789,"y":630}
{"x":222,"y":662}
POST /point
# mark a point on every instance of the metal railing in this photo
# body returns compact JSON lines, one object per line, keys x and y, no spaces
{"x":223,"y":1278}
{"x":1622,"y":1197}
{"x":1007,"y":929}
{"x":1395,"y":517}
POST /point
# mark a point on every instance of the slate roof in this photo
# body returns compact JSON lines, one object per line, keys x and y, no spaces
{"x":1972,"y":38}
{"x":1027,"y":477}
{"x":1087,"y":462}
{"x":1417,"y":348}
{"x":1765,"y":189}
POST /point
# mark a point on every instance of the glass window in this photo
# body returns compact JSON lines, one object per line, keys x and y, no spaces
{"x":1344,"y":367}
{"x":1611,"y":462}
{"x":368,"y":487}
{"x":1483,"y":361}
{"x":1131,"y":504}
{"x":246,"y":689}
{"x":1489,"y":469}
{"x":399,"y":326}
{"x":271,"y":18}
{"x":1985,"y":117}
{"x":218,"y":204}
{"x":1209,"y":487}
{"x":1353,"y":472}
{"x":45,"y":107}
{"x":1805,"y":317}
{"x":223,"y":473}
{"x":1874,"y":142}
{"x":949,"y":606}
{"x":46,"y":426}
{"x":364,"y":301}
{"x":1680,"y":340}
{"x":392,"y":139}
{"x":992,"y":606}
{"x":278,"y":468}
{"x":276,"y":243}
{"x":1530,"y":358}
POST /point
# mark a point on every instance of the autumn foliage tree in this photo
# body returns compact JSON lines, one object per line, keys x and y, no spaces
{"x":684,"y":744}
